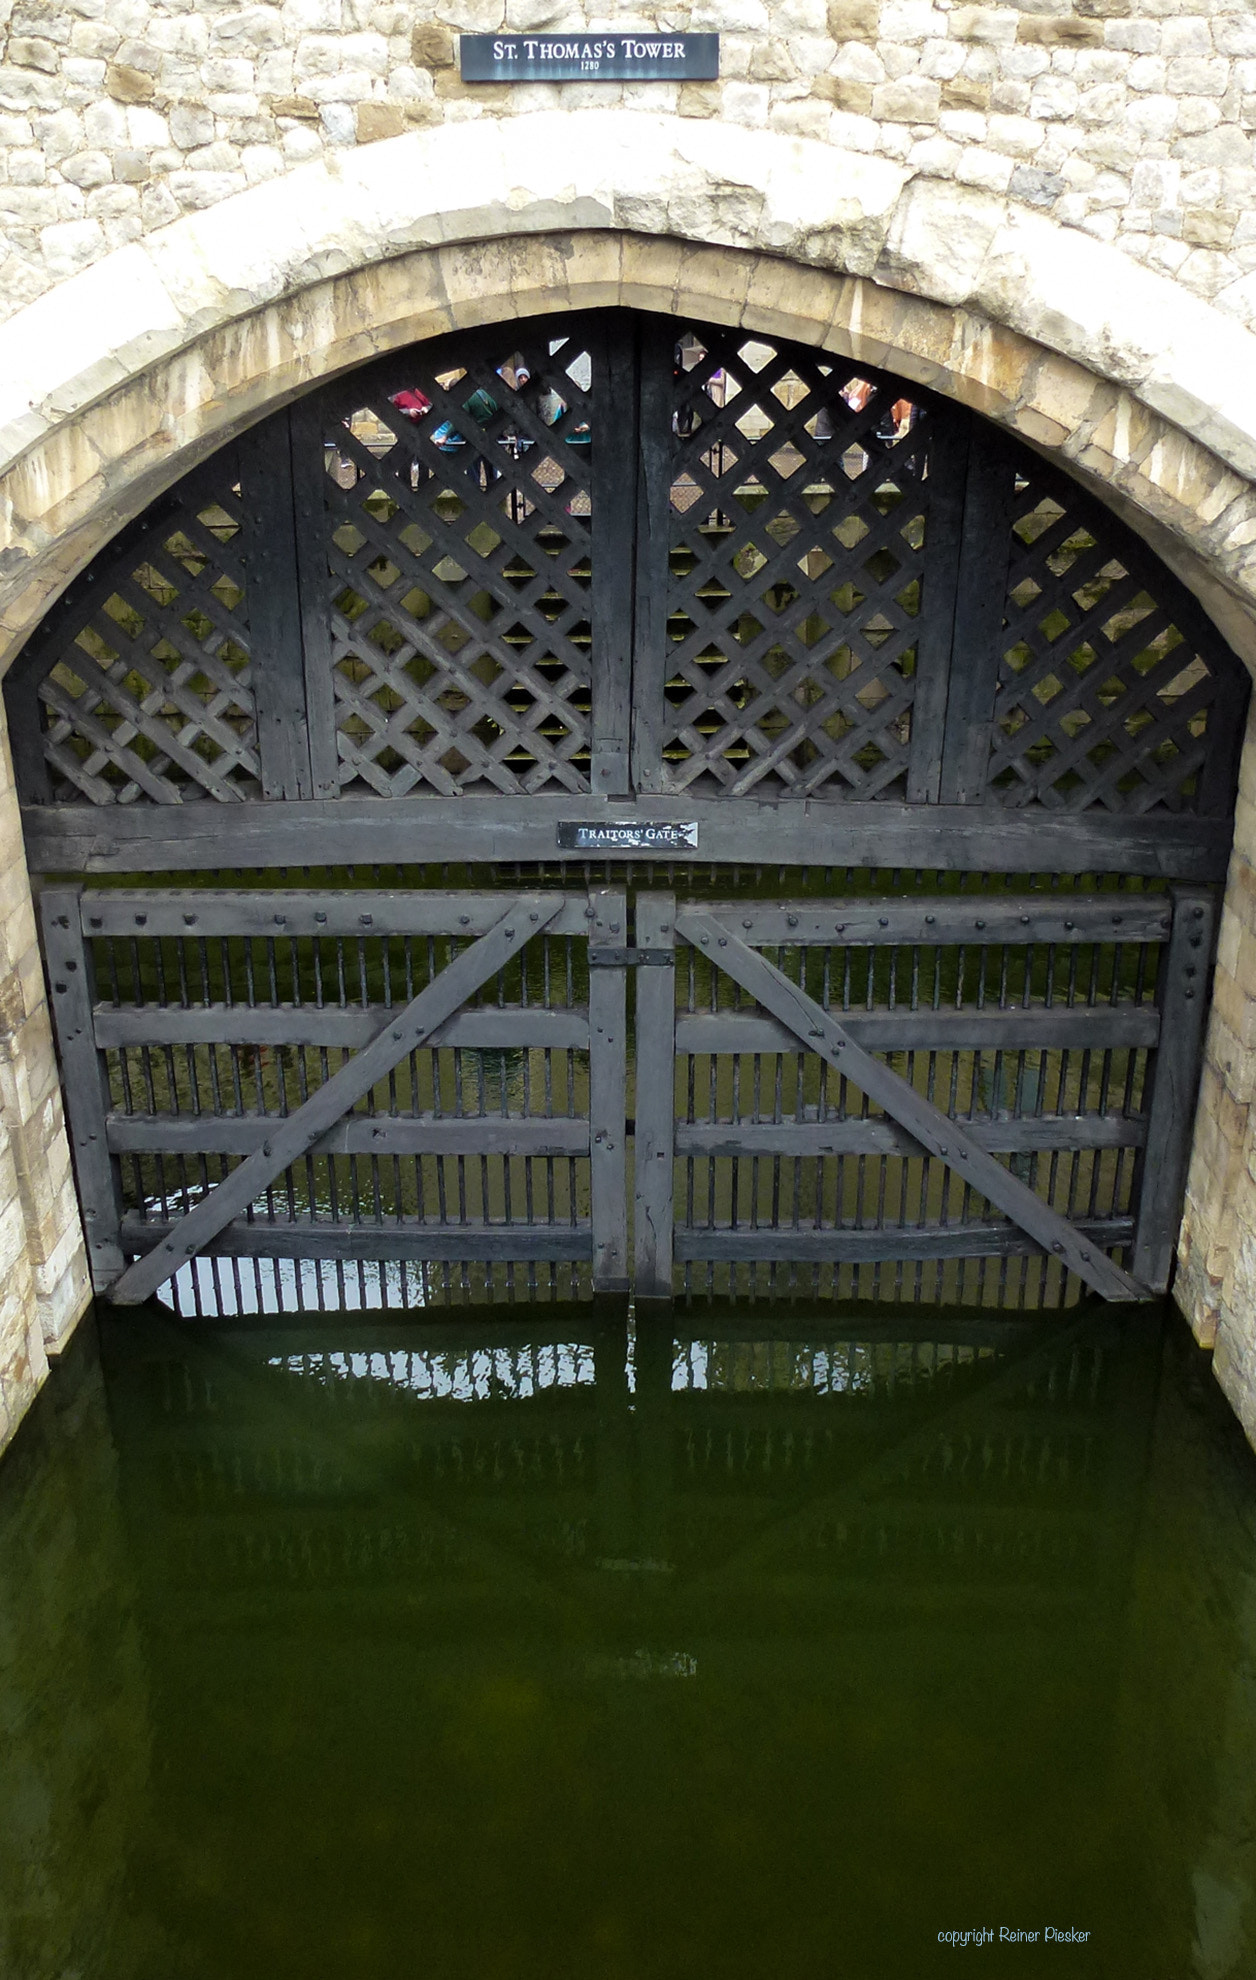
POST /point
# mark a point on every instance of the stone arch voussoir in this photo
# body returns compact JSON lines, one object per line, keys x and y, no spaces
{"x":118,"y":380}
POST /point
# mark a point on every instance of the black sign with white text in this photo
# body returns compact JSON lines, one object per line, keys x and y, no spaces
{"x":636,"y":57}
{"x":632,"y":836}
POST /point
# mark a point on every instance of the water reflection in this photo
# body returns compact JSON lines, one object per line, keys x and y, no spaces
{"x":538,"y":1645}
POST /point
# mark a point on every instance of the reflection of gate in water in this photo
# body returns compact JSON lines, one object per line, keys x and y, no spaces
{"x":829,"y":641}
{"x":916,"y":1467}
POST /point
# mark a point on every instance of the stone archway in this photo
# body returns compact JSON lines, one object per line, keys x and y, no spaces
{"x":126,"y":375}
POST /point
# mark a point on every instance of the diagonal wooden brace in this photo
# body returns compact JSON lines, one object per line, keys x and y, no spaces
{"x":402,"y":1033}
{"x":936,"y":1132}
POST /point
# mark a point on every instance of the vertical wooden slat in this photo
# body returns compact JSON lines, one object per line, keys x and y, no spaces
{"x":1227,"y":724}
{"x":983,"y":549}
{"x":654,"y":1145}
{"x":312,"y":524}
{"x":84,"y":1083}
{"x":277,"y":672}
{"x":654,"y":467}
{"x":608,"y":1062}
{"x":25,"y":726}
{"x":1183,"y":1000}
{"x":615,"y":401}
{"x":949,"y":429}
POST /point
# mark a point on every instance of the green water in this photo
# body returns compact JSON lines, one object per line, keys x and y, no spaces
{"x":535,"y":1644}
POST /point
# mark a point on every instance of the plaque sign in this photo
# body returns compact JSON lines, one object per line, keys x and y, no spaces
{"x":613,"y":836}
{"x":635,"y":57}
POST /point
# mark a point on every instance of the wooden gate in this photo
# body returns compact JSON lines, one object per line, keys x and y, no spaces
{"x":934,"y":759}
{"x":973,"y":1098}
{"x":354,"y":1078}
{"x":935,"y":1087}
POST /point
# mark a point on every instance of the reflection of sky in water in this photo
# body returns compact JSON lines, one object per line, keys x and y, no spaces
{"x":226,"y":1286}
{"x":834,"y":1368}
{"x":503,"y":1374}
{"x":480,"y":1375}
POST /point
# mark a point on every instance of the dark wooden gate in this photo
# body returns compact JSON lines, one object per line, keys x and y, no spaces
{"x":971,"y":1098}
{"x":882,"y":776}
{"x":353,"y":1078}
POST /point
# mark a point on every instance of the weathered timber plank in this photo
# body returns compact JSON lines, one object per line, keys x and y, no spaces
{"x":299,"y":912}
{"x":1183,"y":995}
{"x":612,"y":346}
{"x":608,"y":1067}
{"x":315,"y":591}
{"x":405,"y":1032}
{"x":977,"y":923}
{"x":304,"y":1024}
{"x":273,"y":601}
{"x":313,"y":1237}
{"x":1038,"y":1028}
{"x":655,"y":1072}
{"x":983,"y":547}
{"x":201,"y":836}
{"x":27,"y":744}
{"x":949,"y":428}
{"x":868,"y":1246}
{"x":84,"y":1083}
{"x":656,"y":452}
{"x":936,"y":1134}
{"x":882,"y":1137}
{"x":360,"y":1134}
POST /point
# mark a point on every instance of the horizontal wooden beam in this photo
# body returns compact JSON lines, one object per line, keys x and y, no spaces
{"x":1061,"y":1027}
{"x":1038,"y":1028}
{"x":846,"y":1246}
{"x":487,"y":1029}
{"x":359,"y":1134}
{"x":205,"y":835}
{"x":1044,"y":1132}
{"x":491,"y":1134}
{"x":965,"y":919}
{"x":281,"y":913}
{"x":313,"y":1237}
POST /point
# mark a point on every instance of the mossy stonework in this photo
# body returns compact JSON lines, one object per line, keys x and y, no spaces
{"x":1037,"y":213}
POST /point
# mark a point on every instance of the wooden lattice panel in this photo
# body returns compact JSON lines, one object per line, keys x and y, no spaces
{"x":147,"y":691}
{"x":797,"y":517}
{"x":1102,"y":698}
{"x":458,"y":535}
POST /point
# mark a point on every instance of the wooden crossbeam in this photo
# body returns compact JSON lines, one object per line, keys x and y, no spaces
{"x":937,"y":1134}
{"x":296,"y":1134}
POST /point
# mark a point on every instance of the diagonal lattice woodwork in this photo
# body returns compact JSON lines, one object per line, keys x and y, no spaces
{"x":797,"y":522}
{"x":1102,"y":698}
{"x":617,"y":554}
{"x":147,"y":690}
{"x":458,"y":517}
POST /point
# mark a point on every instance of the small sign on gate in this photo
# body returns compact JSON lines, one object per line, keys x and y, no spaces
{"x":641,"y":56}
{"x":628,"y":836}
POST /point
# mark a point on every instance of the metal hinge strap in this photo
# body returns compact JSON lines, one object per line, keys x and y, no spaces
{"x":631,"y":958}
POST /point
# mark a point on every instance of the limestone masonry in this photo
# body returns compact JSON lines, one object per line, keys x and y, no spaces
{"x":1134,"y":120}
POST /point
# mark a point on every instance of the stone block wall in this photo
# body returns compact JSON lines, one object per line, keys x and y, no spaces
{"x":1133,"y":120}
{"x":43,"y":1275}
